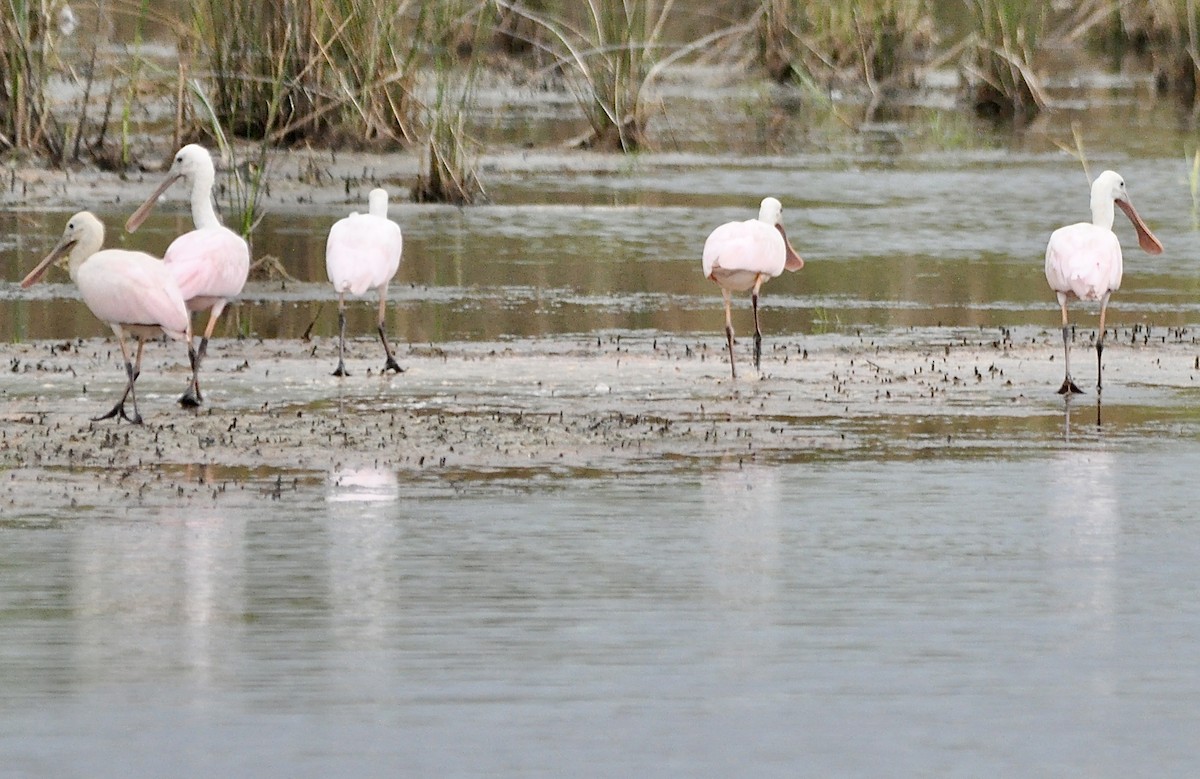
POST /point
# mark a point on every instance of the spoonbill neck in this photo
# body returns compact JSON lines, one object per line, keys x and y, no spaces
{"x":1103,"y":209}
{"x":204,"y":215}
{"x":378,"y":201}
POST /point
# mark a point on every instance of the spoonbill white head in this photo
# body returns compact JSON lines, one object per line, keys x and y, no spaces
{"x":1108,"y":188}
{"x":771,"y":212}
{"x":192,"y":163}
{"x":82,"y":237}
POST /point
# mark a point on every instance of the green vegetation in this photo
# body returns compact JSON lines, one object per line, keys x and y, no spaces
{"x":878,"y":43}
{"x":448,"y":168}
{"x":1003,"y":45}
{"x":609,"y":57}
{"x":318,"y":71}
{"x":403,"y":74}
{"x":26,"y":63}
{"x":1168,"y":32}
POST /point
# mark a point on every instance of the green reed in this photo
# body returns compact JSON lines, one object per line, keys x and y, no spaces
{"x":876,"y":43}
{"x":371,"y":55}
{"x":609,"y":57}
{"x":311,"y":70}
{"x":1006,"y":38}
{"x":133,"y":82}
{"x":259,"y":55}
{"x":1168,"y":32}
{"x":28,"y":41}
{"x":450,"y":164}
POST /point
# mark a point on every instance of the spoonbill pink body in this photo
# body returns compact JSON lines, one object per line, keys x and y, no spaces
{"x":1083,"y":261}
{"x":362,"y":254}
{"x":740,"y":256}
{"x":132,"y":292}
{"x":210,"y":263}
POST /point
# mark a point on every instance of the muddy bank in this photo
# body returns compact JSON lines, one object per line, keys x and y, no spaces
{"x":308,"y":179}
{"x":535,"y":408}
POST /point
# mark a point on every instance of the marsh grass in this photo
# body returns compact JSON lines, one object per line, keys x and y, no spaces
{"x":882,"y":45}
{"x":450,"y":163}
{"x":38,"y":56}
{"x":371,"y":55}
{"x":1006,"y":37}
{"x":1168,"y":32}
{"x":609,"y":58}
{"x":874,"y":43}
{"x":259,"y":56}
{"x":343,"y":72}
{"x":133,"y":81}
{"x":515,"y":34}
{"x":28,"y":43}
{"x":311,"y":70}
{"x":403,"y":73}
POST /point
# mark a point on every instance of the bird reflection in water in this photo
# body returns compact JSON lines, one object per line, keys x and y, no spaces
{"x":357,"y":485}
{"x":1067,"y":400}
{"x":1083,"y":542}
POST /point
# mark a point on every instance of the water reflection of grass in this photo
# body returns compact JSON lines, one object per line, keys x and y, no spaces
{"x":950,"y":131}
{"x":824,"y":322}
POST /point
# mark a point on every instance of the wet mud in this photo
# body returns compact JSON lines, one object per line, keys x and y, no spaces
{"x":517,"y":412}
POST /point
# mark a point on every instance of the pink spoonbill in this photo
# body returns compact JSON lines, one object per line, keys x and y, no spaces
{"x":210,"y":263}
{"x":132,"y":292}
{"x":1083,"y":261}
{"x":740,"y":256}
{"x":363,"y":254}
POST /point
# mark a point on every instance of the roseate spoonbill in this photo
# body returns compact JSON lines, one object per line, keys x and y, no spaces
{"x":132,"y":292}
{"x":210,"y":263}
{"x":740,"y":256}
{"x":1083,"y":261}
{"x":362,"y":254}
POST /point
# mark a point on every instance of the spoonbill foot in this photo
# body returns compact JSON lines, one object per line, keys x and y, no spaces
{"x":119,"y":411}
{"x":191,"y":397}
{"x":1068,"y":387}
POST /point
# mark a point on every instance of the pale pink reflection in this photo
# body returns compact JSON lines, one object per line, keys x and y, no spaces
{"x":369,"y":485}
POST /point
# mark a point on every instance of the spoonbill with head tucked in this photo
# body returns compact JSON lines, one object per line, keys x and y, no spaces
{"x":210,"y":263}
{"x":740,"y":256}
{"x":362,"y":253}
{"x":132,"y":292}
{"x":1083,"y":261}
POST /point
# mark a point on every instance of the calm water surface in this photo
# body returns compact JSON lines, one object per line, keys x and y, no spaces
{"x":913,"y":617}
{"x":956,"y":242}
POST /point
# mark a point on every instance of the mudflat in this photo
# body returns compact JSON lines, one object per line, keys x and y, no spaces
{"x":563,"y":405}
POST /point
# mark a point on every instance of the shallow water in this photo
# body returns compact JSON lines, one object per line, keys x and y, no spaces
{"x":982,"y":587}
{"x":955,"y":243}
{"x":913,"y":616}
